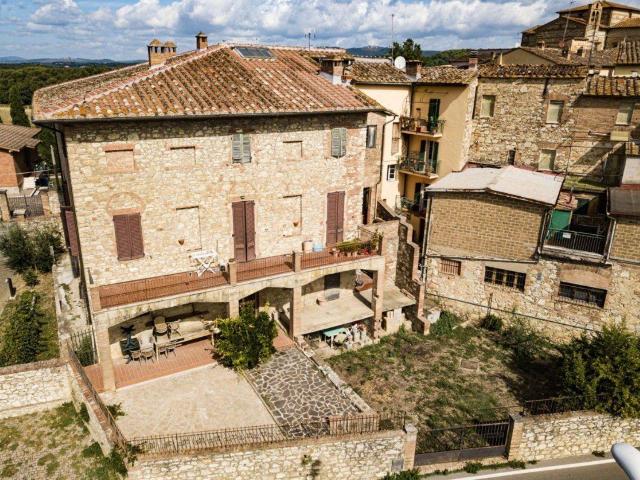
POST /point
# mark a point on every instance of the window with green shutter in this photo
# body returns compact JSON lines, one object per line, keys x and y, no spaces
{"x":241,"y":148}
{"x":338,"y":142}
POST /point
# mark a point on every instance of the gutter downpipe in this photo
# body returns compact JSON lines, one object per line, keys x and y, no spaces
{"x":384,"y":129}
{"x":425,"y":240}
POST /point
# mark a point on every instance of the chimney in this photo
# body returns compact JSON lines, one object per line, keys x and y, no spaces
{"x":159,"y":52}
{"x":333,"y":68}
{"x":201,"y":41}
{"x":413,"y":69}
{"x":473,"y":60}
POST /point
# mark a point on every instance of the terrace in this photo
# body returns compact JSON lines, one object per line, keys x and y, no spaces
{"x":417,"y":163}
{"x":431,"y":128}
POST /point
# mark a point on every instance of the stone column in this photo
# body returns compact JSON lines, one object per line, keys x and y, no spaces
{"x":409,"y":453}
{"x":516,"y":428}
{"x":104,"y":357}
{"x":46,"y":206}
{"x":295,"y":320}
{"x":233,"y":271}
{"x":233,"y":308}
{"x":377,"y":297}
{"x":297,"y":261}
{"x":5,"y":213}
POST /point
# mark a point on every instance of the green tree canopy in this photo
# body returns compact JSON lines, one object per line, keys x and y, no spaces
{"x":16,"y":108}
{"x":409,"y":50}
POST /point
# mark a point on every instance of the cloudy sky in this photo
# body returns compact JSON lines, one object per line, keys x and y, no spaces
{"x":120,"y":29}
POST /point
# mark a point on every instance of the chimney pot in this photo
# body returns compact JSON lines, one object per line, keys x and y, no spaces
{"x":159,"y":52}
{"x":473,"y":60}
{"x":413,"y":69}
{"x":334,"y":68}
{"x":201,"y":41}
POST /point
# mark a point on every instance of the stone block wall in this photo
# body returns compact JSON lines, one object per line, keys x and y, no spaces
{"x":358,"y":457}
{"x":547,"y":437}
{"x":626,"y":241}
{"x":33,"y":387}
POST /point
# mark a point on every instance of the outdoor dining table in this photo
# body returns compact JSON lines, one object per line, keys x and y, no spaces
{"x":332,"y":333}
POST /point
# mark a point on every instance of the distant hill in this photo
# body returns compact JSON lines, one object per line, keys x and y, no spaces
{"x":76,"y":62}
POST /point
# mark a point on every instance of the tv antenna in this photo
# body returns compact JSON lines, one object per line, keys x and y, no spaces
{"x":309,"y":35}
{"x":393,"y":39}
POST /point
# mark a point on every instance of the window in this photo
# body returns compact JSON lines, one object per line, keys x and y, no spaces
{"x":253,"y":52}
{"x":511,"y":157}
{"x":395,"y":138}
{"x":128,"y":231}
{"x":488,"y":106}
{"x":292,"y":150}
{"x":624,"y":114}
{"x":241,"y":148}
{"x":434,"y":147}
{"x":120,"y":160}
{"x":554,"y":111}
{"x":372,"y":131}
{"x":586,"y":295}
{"x":434,"y":109}
{"x":338,"y":142}
{"x":450,"y":267}
{"x":547,"y":160}
{"x":510,"y":279}
{"x":391,"y":172}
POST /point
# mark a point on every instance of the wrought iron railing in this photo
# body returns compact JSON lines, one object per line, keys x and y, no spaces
{"x":265,"y":267}
{"x":344,"y":252}
{"x":418,"y":162}
{"x":580,"y":241}
{"x":405,"y":205}
{"x":422,"y":125}
{"x":548,"y":406}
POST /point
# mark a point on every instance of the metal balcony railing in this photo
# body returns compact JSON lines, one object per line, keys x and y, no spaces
{"x":579,"y":241}
{"x":405,"y":205}
{"x":422,"y":125}
{"x":418,"y":163}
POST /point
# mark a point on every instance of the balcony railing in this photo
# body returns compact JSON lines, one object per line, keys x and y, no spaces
{"x":125,"y":293}
{"x":418,"y":162}
{"x":422,"y":126}
{"x":406,"y":205}
{"x":579,"y":241}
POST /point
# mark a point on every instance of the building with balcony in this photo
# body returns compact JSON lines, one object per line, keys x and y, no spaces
{"x":504,"y":239}
{"x":224,"y":178}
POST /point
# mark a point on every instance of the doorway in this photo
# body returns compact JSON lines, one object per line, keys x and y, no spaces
{"x":244,"y":234}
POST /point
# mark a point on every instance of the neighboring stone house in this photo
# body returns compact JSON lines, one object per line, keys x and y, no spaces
{"x":18,"y":155}
{"x":197,"y":180}
{"x":581,"y":27}
{"x":494,"y":241}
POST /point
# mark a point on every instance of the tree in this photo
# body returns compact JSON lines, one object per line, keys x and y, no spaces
{"x":16,"y":108}
{"x":26,"y":249}
{"x":605,"y":370}
{"x":47,"y":140}
{"x":22,"y":341}
{"x":409,"y":50}
{"x":444,"y":57}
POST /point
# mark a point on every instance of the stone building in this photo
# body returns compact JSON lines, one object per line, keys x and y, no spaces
{"x":582,"y":27}
{"x":225,"y":177}
{"x":18,"y":155}
{"x":493,"y":243}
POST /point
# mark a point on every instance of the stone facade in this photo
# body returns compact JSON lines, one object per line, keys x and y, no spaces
{"x":362,"y":457}
{"x":572,"y":434}
{"x":626,"y":244}
{"x":33,"y":387}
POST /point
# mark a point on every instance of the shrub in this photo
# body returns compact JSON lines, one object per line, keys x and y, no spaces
{"x":605,"y":370}
{"x":17,"y":246}
{"x":246,"y":341}
{"x":491,"y":323}
{"x":445,"y":324}
{"x":26,"y":249}
{"x":406,"y":475}
{"x":46,"y":238}
{"x":472,"y":467}
{"x":30,"y":277}
{"x":22,"y":340}
{"x":527,"y":344}
{"x":84,"y":413}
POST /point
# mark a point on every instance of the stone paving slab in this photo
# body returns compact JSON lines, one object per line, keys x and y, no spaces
{"x":296,"y":391}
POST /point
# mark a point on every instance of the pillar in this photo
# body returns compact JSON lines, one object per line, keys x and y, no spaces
{"x":46,"y":205}
{"x":377,"y":298}
{"x":409,"y":452}
{"x":295,"y":319}
{"x":233,"y":272}
{"x":5,"y":213}
{"x":516,"y":428}
{"x":104,"y":357}
{"x":297,"y":261}
{"x":233,"y":307}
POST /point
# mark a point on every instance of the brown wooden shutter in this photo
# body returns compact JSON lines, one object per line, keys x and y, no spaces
{"x":128,"y":231}
{"x":239,"y":232}
{"x":135,"y":233}
{"x":250,"y":225}
{"x":246,"y":148}
{"x":340,"y":217}
{"x":72,"y":232}
{"x":236,"y":147}
{"x":332,"y":220}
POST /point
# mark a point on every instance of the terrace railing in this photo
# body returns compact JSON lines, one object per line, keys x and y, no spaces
{"x":265,"y":267}
{"x":548,"y":406}
{"x":579,"y":241}
{"x":420,"y":125}
{"x":329,"y":257}
{"x":418,"y":162}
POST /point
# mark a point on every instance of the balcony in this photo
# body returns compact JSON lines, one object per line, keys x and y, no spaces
{"x":417,"y":163}
{"x":406,"y":205}
{"x":147,"y":289}
{"x":431,"y":128}
{"x":580,"y":242}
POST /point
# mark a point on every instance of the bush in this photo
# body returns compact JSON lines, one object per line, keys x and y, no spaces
{"x":406,"y":475}
{"x":17,"y":246}
{"x":472,"y":467}
{"x":246,"y":341}
{"x":605,"y":371}
{"x":23,"y":340}
{"x":27,"y":249}
{"x":30,"y":277}
{"x":45,"y":239}
{"x":527,"y":344}
{"x":445,"y":324}
{"x":491,"y":323}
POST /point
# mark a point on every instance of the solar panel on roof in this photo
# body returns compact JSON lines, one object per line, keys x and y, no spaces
{"x":253,"y":52}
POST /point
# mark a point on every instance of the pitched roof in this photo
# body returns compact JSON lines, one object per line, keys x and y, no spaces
{"x":511,"y":181}
{"x":214,"y":81}
{"x":532,"y":71}
{"x":606,"y":57}
{"x":628,"y":23}
{"x":624,"y":201}
{"x":14,"y":137}
{"x":628,"y":53}
{"x":551,"y":54}
{"x":612,"y":86}
{"x":363,"y":71}
{"x":445,"y":75}
{"x":618,"y":6}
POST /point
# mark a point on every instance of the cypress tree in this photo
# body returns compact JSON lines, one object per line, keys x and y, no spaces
{"x":16,"y":108}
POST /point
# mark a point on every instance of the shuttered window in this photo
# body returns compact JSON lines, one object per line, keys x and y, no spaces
{"x":338,"y":142}
{"x":625,"y":113}
{"x":241,"y":148}
{"x":554,"y":111}
{"x":372,"y":131}
{"x":128,"y":231}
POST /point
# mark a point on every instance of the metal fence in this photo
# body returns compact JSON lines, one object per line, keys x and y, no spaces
{"x":265,"y":434}
{"x":32,"y":205}
{"x":265,"y":267}
{"x":324,"y":258}
{"x":584,"y":242}
{"x":548,"y":406}
{"x":84,"y":347}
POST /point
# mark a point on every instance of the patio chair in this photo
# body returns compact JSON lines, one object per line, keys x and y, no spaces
{"x":147,"y":353}
{"x":162,"y":349}
{"x":174,"y":328}
{"x":135,"y":355}
{"x":159,"y":327}
{"x":170,"y":348}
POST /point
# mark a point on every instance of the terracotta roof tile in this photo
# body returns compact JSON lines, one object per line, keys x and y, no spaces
{"x":612,"y":86}
{"x":215,"y":81}
{"x":363,"y":71}
{"x":445,"y":75}
{"x":532,"y":71}
{"x":598,"y":58}
{"x":14,"y":137}
{"x":628,"y":53}
{"x":628,"y":23}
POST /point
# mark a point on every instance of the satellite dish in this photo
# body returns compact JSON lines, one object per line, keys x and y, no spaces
{"x":400,"y":63}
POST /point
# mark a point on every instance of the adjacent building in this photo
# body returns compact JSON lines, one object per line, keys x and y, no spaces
{"x":18,"y":157}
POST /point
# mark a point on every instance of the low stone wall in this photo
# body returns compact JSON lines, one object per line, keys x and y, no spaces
{"x":357,"y":457}
{"x":571,"y":434}
{"x":33,"y":387}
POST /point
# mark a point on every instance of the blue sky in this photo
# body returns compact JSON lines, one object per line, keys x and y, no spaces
{"x":120,"y":29}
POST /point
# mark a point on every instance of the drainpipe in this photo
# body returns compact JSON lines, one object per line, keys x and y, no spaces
{"x":381,"y":179}
{"x":425,"y":239}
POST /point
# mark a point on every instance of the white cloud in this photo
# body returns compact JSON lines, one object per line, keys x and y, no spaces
{"x":59,"y":12}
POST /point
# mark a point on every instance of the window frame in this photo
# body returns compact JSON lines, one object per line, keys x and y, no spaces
{"x":552,"y":159}
{"x":342,"y":135}
{"x":505,"y":278}
{"x":245,"y":144}
{"x":561,"y":103}
{"x":392,"y":177}
{"x":372,"y":136}
{"x":492,"y":106}
{"x":449,"y":266}
{"x":629,"y":114}
{"x":592,"y":295}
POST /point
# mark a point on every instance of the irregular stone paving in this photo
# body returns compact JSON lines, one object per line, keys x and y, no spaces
{"x":296,"y":391}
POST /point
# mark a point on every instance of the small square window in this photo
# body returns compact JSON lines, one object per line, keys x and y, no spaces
{"x":488,"y":106}
{"x":625,"y":113}
{"x":554,"y":111}
{"x":547,"y":160}
{"x":372,"y":131}
{"x":450,"y":267}
{"x":391,"y":172}
{"x":506,"y":278}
